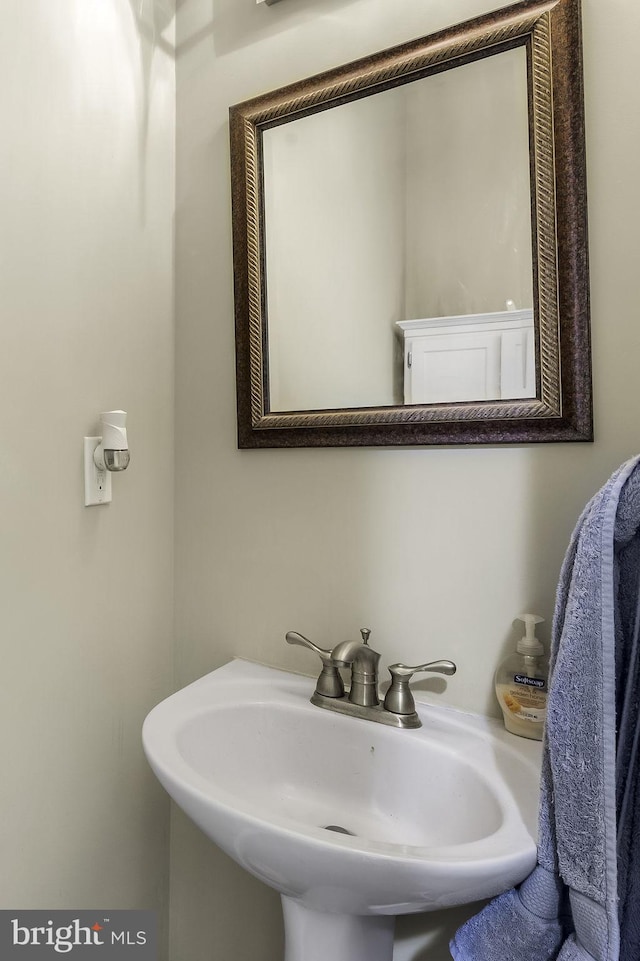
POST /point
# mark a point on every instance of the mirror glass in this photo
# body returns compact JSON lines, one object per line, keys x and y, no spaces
{"x":410,"y":243}
{"x":429,"y":184}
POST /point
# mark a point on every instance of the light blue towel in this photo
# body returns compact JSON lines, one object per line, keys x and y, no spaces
{"x":580,"y":902}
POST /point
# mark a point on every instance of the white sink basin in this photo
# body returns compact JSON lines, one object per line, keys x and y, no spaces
{"x":438,"y":816}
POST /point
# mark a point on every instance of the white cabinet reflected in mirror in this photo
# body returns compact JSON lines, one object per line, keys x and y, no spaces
{"x":410,"y":243}
{"x":469,"y":358}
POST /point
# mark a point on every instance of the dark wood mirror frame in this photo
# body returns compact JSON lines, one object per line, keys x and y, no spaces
{"x":562,"y":410}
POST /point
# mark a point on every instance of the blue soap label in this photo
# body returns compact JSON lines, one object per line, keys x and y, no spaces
{"x":537,"y":682}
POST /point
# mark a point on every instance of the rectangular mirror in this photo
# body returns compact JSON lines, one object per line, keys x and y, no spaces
{"x":410,"y":243}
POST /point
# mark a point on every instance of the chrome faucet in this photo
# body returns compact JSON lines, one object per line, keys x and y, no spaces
{"x":362,"y":699}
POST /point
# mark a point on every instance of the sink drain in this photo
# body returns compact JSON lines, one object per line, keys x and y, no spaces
{"x":339,"y":829}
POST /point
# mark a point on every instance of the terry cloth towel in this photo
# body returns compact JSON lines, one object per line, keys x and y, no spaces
{"x":580,"y":903}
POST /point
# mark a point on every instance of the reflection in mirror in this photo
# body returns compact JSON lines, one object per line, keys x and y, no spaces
{"x":469,"y":358}
{"x":410,"y":254}
{"x":429,"y":184}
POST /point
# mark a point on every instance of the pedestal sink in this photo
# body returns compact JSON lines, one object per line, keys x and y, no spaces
{"x":352,"y":822}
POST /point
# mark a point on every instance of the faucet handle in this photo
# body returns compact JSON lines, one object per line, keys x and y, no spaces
{"x":399,"y":699}
{"x":292,"y":637}
{"x":330,"y":682}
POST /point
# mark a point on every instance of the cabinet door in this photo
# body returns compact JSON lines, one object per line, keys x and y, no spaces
{"x":517,"y":364}
{"x":446,"y":368}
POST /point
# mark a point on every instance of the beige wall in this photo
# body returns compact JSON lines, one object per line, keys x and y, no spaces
{"x":330,"y":345}
{"x":435,"y":550}
{"x":87,"y":197}
{"x":469,"y":217}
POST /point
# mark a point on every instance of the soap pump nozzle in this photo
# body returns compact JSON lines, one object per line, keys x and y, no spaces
{"x":529,"y":643}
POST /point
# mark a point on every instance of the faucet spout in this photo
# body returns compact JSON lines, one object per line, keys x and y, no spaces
{"x":345,"y":653}
{"x":363,"y":661}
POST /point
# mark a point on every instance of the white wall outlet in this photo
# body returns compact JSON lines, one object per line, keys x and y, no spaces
{"x":97,"y":483}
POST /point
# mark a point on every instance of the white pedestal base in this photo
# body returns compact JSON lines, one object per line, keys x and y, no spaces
{"x":315,"y":936}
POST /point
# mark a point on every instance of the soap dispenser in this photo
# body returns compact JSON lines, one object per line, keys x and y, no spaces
{"x":522,"y":683}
